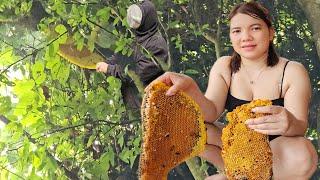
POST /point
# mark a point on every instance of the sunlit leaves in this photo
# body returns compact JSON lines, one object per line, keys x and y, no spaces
{"x":59,"y":7}
{"x":38,"y":73}
{"x":61,"y":112}
{"x":32,"y":118}
{"x":61,"y":30}
{"x":7,"y":57}
{"x":23,"y":86}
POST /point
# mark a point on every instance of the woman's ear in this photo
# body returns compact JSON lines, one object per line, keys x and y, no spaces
{"x":271,"y":34}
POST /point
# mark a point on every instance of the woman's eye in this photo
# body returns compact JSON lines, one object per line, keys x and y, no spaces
{"x":235,"y":31}
{"x":256,"y":28}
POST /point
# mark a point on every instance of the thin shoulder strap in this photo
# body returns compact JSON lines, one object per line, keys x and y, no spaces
{"x":231,"y":73}
{"x":284,"y":69}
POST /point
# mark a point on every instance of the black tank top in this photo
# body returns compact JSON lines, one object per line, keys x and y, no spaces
{"x":232,"y":102}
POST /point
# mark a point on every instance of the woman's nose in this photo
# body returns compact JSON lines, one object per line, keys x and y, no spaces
{"x":246,"y":36}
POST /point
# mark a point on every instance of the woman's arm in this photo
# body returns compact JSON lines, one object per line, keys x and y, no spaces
{"x":297,"y":99}
{"x":212,"y":103}
{"x":218,"y":87}
{"x":292,"y":119}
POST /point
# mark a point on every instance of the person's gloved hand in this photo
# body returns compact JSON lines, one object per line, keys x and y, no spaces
{"x":102,"y":67}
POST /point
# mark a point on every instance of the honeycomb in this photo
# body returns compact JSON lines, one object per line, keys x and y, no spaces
{"x":83,"y":58}
{"x":246,"y":153}
{"x":173,"y":130}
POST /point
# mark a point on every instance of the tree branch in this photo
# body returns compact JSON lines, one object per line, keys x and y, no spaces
{"x":168,"y":43}
{"x":83,"y":124}
{"x":96,"y":24}
{"x":79,"y":3}
{"x":4,"y":168}
{"x":33,"y":53}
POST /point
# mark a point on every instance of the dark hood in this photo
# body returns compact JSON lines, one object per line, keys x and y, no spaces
{"x":149,"y":22}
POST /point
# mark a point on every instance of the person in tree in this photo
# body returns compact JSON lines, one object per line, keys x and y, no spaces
{"x":255,"y":71}
{"x":143,"y":19}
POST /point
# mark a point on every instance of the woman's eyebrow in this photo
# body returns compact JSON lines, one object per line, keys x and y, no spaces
{"x":238,"y":27}
{"x":232,"y":28}
{"x":256,"y":24}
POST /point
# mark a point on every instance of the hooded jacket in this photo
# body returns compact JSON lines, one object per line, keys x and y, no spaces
{"x":148,"y":37}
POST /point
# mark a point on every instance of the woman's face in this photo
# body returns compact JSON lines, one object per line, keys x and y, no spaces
{"x":250,"y":37}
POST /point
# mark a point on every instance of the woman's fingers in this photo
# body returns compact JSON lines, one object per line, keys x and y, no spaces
{"x":268,"y":132}
{"x":264,"y":126}
{"x":263,"y":119}
{"x":267,"y":109}
{"x":176,"y":81}
{"x":166,"y":78}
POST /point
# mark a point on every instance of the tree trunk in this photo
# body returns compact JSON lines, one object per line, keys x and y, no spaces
{"x":311,"y":9}
{"x":215,"y":39}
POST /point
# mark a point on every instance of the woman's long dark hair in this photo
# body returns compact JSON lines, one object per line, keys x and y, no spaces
{"x":254,"y":10}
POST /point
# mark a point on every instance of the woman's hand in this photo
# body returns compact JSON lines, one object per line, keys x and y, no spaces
{"x":101,"y":67}
{"x":276,"y":123}
{"x":178,"y":82}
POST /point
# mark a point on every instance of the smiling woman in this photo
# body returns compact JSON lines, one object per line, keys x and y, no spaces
{"x":255,"y":71}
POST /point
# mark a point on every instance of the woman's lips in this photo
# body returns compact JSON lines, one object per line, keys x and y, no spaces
{"x":248,"y":47}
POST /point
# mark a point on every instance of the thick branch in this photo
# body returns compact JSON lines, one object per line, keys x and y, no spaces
{"x":311,"y":9}
{"x":215,"y":40}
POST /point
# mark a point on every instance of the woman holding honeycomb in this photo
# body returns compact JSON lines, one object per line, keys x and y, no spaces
{"x":254,"y":71}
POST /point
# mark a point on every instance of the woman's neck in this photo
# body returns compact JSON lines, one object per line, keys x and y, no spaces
{"x":255,"y":63}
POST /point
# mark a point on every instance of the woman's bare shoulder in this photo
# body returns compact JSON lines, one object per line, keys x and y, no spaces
{"x":294,"y":69}
{"x":221,"y":68}
{"x":223,"y":60}
{"x":222,"y":64}
{"x":293,"y":65}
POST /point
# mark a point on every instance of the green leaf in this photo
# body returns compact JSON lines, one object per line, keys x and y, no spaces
{"x":125,"y":155}
{"x":90,"y":141}
{"x":53,"y":61}
{"x":60,"y":28}
{"x":121,"y":140}
{"x":22,"y":86}
{"x":115,"y":22}
{"x":191,"y":71}
{"x":80,"y":43}
{"x":91,"y":40}
{"x":36,"y":161}
{"x":30,"y":119}
{"x":104,"y":14}
{"x":132,"y":159}
{"x":38,"y":72}
{"x":61,"y":72}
